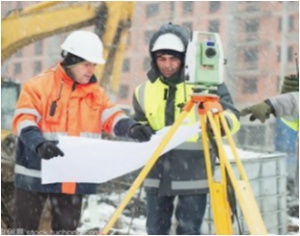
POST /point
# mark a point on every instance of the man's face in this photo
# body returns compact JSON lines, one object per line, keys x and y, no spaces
{"x":82,"y":72}
{"x":168,"y":64}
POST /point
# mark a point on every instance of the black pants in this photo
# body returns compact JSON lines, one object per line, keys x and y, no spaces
{"x":189,"y":213}
{"x":65,"y":210}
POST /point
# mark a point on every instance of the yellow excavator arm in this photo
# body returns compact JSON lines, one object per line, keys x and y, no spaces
{"x":28,"y":25}
{"x":112,"y":20}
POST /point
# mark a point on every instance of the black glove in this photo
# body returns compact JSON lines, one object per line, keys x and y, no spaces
{"x":48,"y":150}
{"x":140,"y":132}
{"x":261,"y":111}
{"x":290,"y":84}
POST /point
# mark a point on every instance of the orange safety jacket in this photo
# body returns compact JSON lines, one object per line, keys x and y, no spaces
{"x":53,"y":104}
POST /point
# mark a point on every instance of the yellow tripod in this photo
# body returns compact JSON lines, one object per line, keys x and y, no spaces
{"x":210,"y":111}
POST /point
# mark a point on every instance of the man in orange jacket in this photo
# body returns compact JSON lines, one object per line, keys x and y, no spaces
{"x":64,"y":100}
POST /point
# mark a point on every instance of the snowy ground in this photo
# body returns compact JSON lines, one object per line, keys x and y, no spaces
{"x":99,"y":209}
{"x":293,"y":223}
{"x":97,"y":214}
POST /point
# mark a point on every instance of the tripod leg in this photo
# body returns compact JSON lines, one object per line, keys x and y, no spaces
{"x":144,"y":172}
{"x":217,"y":191}
{"x":241,"y":187}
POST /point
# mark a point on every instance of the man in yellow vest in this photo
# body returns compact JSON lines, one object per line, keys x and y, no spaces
{"x":180,"y":172}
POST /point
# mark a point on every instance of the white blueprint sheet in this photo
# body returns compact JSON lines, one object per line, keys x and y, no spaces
{"x":89,"y":160}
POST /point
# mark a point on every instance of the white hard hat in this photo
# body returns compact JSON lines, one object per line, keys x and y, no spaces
{"x":85,"y":44}
{"x":168,"y":41}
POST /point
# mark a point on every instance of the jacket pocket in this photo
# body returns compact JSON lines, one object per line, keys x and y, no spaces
{"x":53,"y":112}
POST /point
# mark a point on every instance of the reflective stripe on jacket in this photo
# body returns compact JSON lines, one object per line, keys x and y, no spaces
{"x":181,"y":170}
{"x":81,"y":110}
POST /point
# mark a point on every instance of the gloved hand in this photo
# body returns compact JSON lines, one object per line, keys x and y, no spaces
{"x":140,"y":132}
{"x":48,"y":150}
{"x":290,"y":84}
{"x":259,"y":111}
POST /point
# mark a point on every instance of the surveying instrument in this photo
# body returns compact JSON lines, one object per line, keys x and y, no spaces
{"x":204,"y":69}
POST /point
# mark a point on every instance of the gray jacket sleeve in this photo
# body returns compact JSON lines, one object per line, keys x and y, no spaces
{"x":286,"y":105}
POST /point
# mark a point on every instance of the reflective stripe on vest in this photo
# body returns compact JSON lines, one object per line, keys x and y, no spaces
{"x":294,"y":125}
{"x":151,"y":97}
{"x":178,"y":185}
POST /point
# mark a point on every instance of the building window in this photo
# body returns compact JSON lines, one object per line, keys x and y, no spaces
{"x":252,"y":6}
{"x":129,"y":38}
{"x":19,"y":53}
{"x":251,"y":58}
{"x":187,"y":7}
{"x":278,"y":54}
{"x":17,"y":68}
{"x":148,"y":34}
{"x":250,"y":55}
{"x":38,"y":48}
{"x":188,"y":25}
{"x":290,"y":54}
{"x":213,"y":26}
{"x":214,"y":6}
{"x":152,"y":10}
{"x":172,"y":6}
{"x":251,"y":26}
{"x":291,"y":23}
{"x":250,"y":85}
{"x":123,"y":92}
{"x":279,"y":24}
{"x":37,"y":67}
{"x":146,"y":63}
{"x":126,"y":65}
{"x":278,"y":83}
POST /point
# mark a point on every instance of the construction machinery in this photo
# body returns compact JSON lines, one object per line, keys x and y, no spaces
{"x":21,"y":27}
